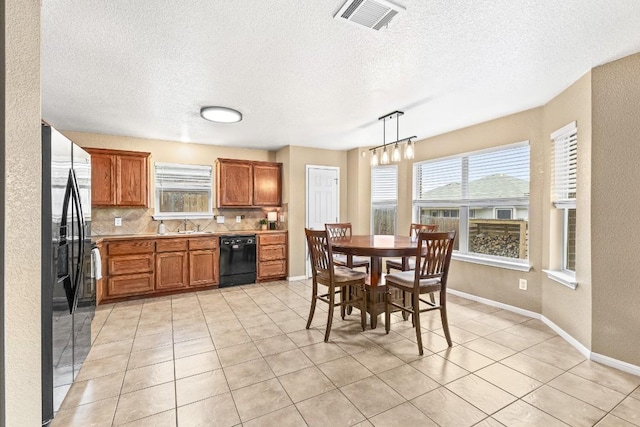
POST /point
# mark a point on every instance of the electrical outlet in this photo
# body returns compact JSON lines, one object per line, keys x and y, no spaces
{"x":220,"y":219}
{"x":118,"y":222}
{"x":523,"y":284}
{"x":238,"y":218}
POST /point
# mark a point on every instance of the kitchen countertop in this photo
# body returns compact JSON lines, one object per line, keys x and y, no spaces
{"x":173,"y":235}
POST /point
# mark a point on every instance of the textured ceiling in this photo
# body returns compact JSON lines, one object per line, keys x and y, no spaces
{"x":144,"y":68}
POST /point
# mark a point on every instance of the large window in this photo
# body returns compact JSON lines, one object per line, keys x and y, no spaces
{"x":484,"y":196}
{"x":183,"y":191}
{"x":384,"y":199}
{"x":565,"y":148}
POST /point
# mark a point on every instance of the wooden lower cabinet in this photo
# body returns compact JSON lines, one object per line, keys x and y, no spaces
{"x":203,"y":261}
{"x":172,"y":270}
{"x":130,"y":268}
{"x":203,"y":267}
{"x":272,"y":256}
{"x":142,"y":266}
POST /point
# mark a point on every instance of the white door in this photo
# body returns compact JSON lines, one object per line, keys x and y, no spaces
{"x":323,"y":198}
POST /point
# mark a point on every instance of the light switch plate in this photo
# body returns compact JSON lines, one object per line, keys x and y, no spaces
{"x":238,"y":218}
{"x":118,"y":222}
{"x":220,"y":219}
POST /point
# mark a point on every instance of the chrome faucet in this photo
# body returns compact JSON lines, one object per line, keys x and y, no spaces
{"x":185,"y":224}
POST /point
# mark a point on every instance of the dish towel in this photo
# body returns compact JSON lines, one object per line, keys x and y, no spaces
{"x":96,"y":264}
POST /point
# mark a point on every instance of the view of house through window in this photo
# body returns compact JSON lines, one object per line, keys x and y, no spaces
{"x":183,"y":191}
{"x":384,"y":199}
{"x":484,"y":196}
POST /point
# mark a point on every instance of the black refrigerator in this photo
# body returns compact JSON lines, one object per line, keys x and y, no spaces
{"x":68,"y":291}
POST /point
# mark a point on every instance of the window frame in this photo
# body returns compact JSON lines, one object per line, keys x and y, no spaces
{"x":158,"y":215}
{"x":465,"y":205}
{"x":564,"y":196}
{"x":385,"y":204}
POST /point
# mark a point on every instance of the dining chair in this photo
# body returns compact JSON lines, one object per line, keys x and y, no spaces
{"x":344,"y":230}
{"x":433,"y":256}
{"x":337,"y":279}
{"x":409,"y":263}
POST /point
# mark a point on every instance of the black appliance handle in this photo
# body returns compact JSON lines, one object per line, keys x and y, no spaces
{"x":72,"y":193}
{"x":81,"y":237}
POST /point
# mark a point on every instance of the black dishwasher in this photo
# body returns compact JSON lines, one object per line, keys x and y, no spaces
{"x":237,"y":260}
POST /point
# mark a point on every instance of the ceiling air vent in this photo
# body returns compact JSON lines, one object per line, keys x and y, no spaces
{"x":373,"y":14}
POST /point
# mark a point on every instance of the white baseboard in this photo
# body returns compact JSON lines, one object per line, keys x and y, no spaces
{"x":493,"y":303}
{"x":295,"y":278}
{"x":599,"y":358}
{"x":615,"y":363}
{"x":568,"y":338}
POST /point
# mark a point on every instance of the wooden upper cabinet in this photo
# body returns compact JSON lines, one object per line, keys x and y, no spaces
{"x":248,"y":184}
{"x":103,"y":179}
{"x":235,"y":184}
{"x":132,"y":177}
{"x":267,"y":184}
{"x":119,"y":178}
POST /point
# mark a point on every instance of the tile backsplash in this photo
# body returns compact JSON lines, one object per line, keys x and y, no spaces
{"x":140,"y":221}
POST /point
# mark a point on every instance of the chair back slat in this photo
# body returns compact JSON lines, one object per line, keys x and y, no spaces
{"x":433,"y":256}
{"x":319,"y":251}
{"x":339,"y":230}
{"x":417,"y":228}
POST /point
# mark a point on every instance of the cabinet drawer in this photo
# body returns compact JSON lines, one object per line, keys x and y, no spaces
{"x":273,"y":252}
{"x":130,"y":264}
{"x":132,"y":247}
{"x":272,"y":239}
{"x":171,"y":245}
{"x":132,"y":284}
{"x":272,"y":268}
{"x":204,"y":243}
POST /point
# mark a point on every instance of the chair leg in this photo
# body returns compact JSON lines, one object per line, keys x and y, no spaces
{"x":363,"y":308}
{"x":343,"y":298}
{"x":332,"y":300}
{"x":349,"y":308}
{"x":405,"y":315}
{"x":416,"y":318}
{"x":443,"y":316}
{"x":314,"y":298}
{"x":387,"y":311}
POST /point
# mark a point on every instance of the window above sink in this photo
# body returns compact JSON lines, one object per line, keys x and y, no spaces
{"x":183,"y":191}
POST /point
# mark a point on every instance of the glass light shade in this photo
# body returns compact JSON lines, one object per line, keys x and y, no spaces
{"x":408,"y":151}
{"x":374,"y":158}
{"x":384,"y":160}
{"x":396,"y":157}
{"x":221,"y":114}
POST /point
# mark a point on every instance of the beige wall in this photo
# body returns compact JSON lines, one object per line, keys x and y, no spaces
{"x":22,"y":206}
{"x":295,"y":160}
{"x":569,"y":309}
{"x":615,"y":212}
{"x":359,"y":190}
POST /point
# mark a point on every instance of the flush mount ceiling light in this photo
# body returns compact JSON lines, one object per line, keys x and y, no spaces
{"x":385,"y":159}
{"x":220,"y":114}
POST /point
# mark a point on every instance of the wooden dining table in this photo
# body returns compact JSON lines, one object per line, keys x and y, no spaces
{"x":376,"y":247}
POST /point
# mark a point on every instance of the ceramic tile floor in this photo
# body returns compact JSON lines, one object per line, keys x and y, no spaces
{"x":241,"y":356}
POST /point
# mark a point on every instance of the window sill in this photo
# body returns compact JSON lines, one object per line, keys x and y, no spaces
{"x":493,"y":262}
{"x":562,"y":277}
{"x":180,"y":216}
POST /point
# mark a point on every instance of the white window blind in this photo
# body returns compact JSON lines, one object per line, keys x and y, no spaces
{"x":565,"y":149}
{"x":439,"y":179}
{"x":384,"y":184}
{"x":174,"y":176}
{"x":500,"y":176}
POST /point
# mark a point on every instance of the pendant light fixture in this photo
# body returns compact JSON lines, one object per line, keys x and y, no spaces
{"x":396,"y":152}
